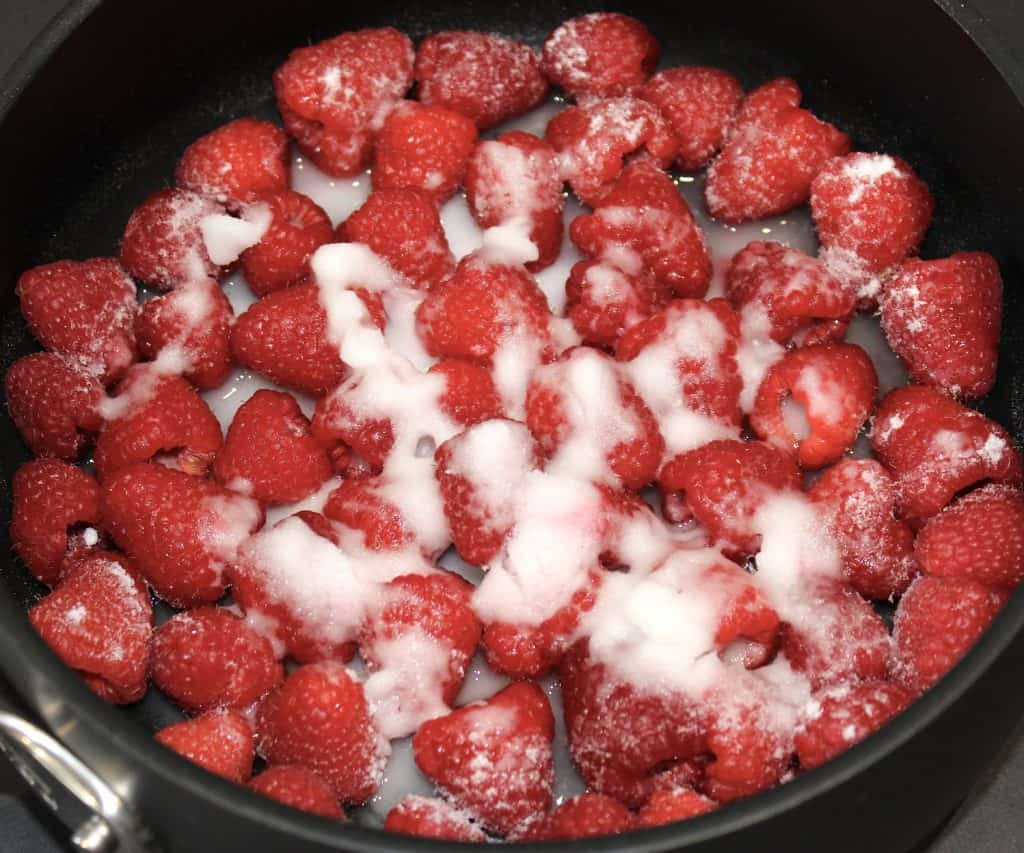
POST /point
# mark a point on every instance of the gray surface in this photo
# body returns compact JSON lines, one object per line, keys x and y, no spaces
{"x":992,"y":819}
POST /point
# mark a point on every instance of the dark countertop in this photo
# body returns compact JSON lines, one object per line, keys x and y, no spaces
{"x":990,"y":821}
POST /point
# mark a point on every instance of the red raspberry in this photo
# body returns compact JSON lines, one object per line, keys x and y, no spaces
{"x":54,"y":406}
{"x":429,"y":818}
{"x":210,"y":658}
{"x":298,"y":227}
{"x":299,"y":788}
{"x":772,"y":153}
{"x":284,"y":337}
{"x":590,"y":421}
{"x":800,"y":299}
{"x":723,"y":484}
{"x":269,"y":452}
{"x":319,"y":719}
{"x":334,"y":95}
{"x":857,"y":498}
{"x":936,"y":623}
{"x":470,"y":314}
{"x":181,"y":531}
{"x":516,"y":177}
{"x":814,"y":401}
{"x":644,"y":211}
{"x":935,"y":448}
{"x":751,"y":751}
{"x":360,"y":504}
{"x":84,"y":311}
{"x":838,"y":717}
{"x":979,"y":537}
{"x":673,"y":806}
{"x":587,"y":816}
{"x":51,"y":501}
{"x":197,"y":318}
{"x":942,"y":319}
{"x":748,"y":625}
{"x":493,"y":758}
{"x":402,"y":225}
{"x":871,"y":212}
{"x":596,"y":139}
{"x":237,"y":162}
{"x":424,"y":148}
{"x":600,"y":55}
{"x":602,"y":300}
{"x":98,"y":621}
{"x":163,"y":246}
{"x":155,"y":415}
{"x":484,"y":76}
{"x":219,"y":741}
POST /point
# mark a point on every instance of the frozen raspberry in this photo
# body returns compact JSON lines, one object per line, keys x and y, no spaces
{"x":298,"y":227}
{"x":180,"y":531}
{"x":724,"y":483}
{"x":157,"y":415}
{"x":838,"y":717}
{"x":699,"y":103}
{"x":587,"y":816}
{"x":210,"y":658}
{"x":319,"y":719}
{"x":603,"y":300}
{"x":431,"y":818}
{"x":600,"y":55}
{"x":814,"y":401}
{"x":644,"y":212}
{"x":484,"y":76}
{"x":163,"y":245}
{"x":402,"y":225}
{"x":493,"y":758}
{"x":857,"y":498}
{"x":801,"y":301}
{"x":219,"y":741}
{"x":673,"y":806}
{"x":772,"y":152}
{"x":334,"y":95}
{"x":237,"y":162}
{"x":424,"y":148}
{"x":978,"y":537}
{"x":936,"y":623}
{"x":269,"y":452}
{"x":942,"y":319}
{"x":595,"y":140}
{"x":51,"y":502}
{"x":936,"y":448}
{"x":54,"y":406}
{"x":197,"y":319}
{"x":98,"y":621}
{"x":871,"y":212}
{"x":515,"y":178}
{"x":299,"y":788}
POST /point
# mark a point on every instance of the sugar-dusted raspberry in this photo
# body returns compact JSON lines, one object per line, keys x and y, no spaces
{"x":588,"y":815}
{"x":334,"y":95}
{"x":427,"y":817}
{"x":424,"y":148}
{"x":644,"y":212}
{"x":600,"y":55}
{"x":603,"y":300}
{"x":219,"y":741}
{"x":595,"y":140}
{"x":298,"y":227}
{"x":54,"y":406}
{"x":942,"y":318}
{"x":772,"y":152}
{"x":484,"y":76}
{"x":672,"y":806}
{"x":299,"y":788}
{"x":179,"y":530}
{"x":699,"y":103}
{"x":750,"y":749}
{"x":237,"y":162}
{"x":98,"y":621}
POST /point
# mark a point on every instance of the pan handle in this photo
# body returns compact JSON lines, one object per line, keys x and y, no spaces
{"x":99,"y":819}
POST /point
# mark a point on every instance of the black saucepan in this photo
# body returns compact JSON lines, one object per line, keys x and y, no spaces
{"x":93,"y":119}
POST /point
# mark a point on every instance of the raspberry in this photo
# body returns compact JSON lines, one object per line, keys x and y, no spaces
{"x":603,"y":301}
{"x":942,"y":319}
{"x":430,"y":818}
{"x":673,"y":806}
{"x":587,"y":816}
{"x":600,"y":55}
{"x":299,"y":788}
{"x":361,"y":505}
{"x":219,"y":741}
{"x":644,"y":212}
{"x":484,"y":76}
{"x":237,"y":162}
